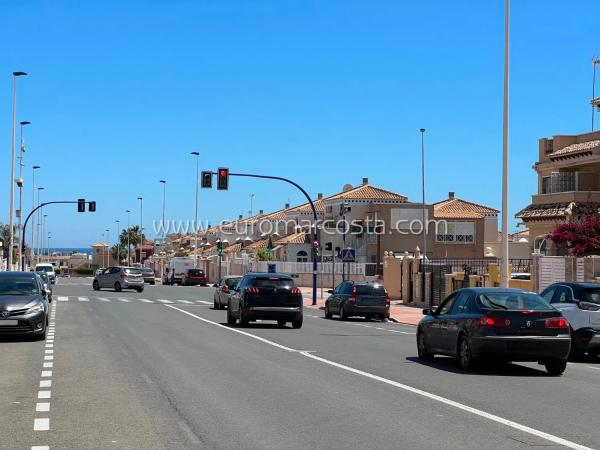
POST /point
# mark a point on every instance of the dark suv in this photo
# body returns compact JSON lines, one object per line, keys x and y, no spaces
{"x":270,"y":296}
{"x":358,"y":298}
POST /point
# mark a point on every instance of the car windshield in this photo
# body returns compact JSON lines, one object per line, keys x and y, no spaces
{"x":370,"y":289}
{"x":273,"y":282}
{"x":518,"y":301}
{"x":18,"y":286}
{"x":232,"y":282}
{"x":44,"y":269}
{"x":591,"y":296}
{"x":132,"y":271}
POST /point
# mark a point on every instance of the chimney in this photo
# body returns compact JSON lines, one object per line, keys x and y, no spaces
{"x":450,"y":195}
{"x":261,"y":211}
{"x":319,"y":196}
{"x":286,"y":206}
{"x":365,"y":181}
{"x":240,"y":217}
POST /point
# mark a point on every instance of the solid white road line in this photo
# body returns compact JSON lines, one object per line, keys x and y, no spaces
{"x":492,"y":417}
{"x":162,"y":300}
{"x":41,"y":424}
{"x":42,"y":407}
{"x":62,"y":298}
{"x":83,"y":299}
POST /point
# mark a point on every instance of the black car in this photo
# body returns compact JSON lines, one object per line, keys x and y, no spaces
{"x":504,"y":324}
{"x":23,"y":305}
{"x":270,"y":296}
{"x":358,"y":298}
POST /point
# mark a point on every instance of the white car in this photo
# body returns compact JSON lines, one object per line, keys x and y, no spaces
{"x":49,"y":269}
{"x":580,"y":305}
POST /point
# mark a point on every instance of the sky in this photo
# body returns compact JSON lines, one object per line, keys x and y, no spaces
{"x":323,"y":92}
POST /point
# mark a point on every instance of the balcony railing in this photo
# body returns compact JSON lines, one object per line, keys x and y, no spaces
{"x":569,"y":182}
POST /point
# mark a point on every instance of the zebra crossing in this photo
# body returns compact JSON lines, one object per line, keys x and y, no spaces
{"x":121,"y":300}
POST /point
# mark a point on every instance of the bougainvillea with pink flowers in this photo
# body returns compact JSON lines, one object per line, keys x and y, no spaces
{"x":579,"y":238}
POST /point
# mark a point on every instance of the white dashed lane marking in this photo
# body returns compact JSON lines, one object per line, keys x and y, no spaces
{"x":124,"y":300}
{"x":103,"y":299}
{"x":162,"y":300}
{"x":186,"y":302}
{"x":145,"y":300}
{"x":63,"y":299}
{"x":83,"y":299}
{"x":41,"y":424}
{"x":42,"y":407}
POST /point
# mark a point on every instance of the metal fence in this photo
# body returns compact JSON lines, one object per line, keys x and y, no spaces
{"x":479,"y":266}
{"x":291,"y":267}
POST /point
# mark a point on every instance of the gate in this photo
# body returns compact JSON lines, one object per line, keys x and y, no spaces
{"x":438,"y":281}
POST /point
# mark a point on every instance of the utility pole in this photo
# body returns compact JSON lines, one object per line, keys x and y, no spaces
{"x":505,"y":117}
{"x":33,"y":230}
{"x":128,"y":241}
{"x":141,"y":199}
{"x":595,"y":62}
{"x":197,"y":155}
{"x":20,"y":185}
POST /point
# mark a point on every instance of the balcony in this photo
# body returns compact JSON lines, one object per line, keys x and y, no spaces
{"x":575,"y":181}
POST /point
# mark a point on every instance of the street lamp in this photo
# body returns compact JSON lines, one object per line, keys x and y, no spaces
{"x":107,"y":247}
{"x":49,"y":236}
{"x":39,"y":228}
{"x":43,"y":231}
{"x":164,"y":183}
{"x":20,"y":185}
{"x":141,"y":199}
{"x":505,"y":106}
{"x":12,"y":171}
{"x":196,"y":154}
{"x":33,"y":169}
{"x":118,"y":241}
{"x":424,"y":225}
{"x":128,"y":246}
{"x":251,"y":204}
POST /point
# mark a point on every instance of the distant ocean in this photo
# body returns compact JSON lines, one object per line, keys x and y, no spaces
{"x":69,"y":250}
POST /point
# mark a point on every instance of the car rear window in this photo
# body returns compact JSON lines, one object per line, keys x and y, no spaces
{"x":195,"y":272}
{"x":520,"y":301}
{"x":148,"y":270}
{"x":591,"y":296}
{"x":370,"y":289}
{"x":273,"y":282}
{"x":133,"y":271}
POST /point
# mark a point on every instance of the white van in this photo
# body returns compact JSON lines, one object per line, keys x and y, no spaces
{"x":177,"y":268}
{"x":49,"y":269}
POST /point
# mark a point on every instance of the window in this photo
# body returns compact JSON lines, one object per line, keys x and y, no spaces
{"x":548,"y":293}
{"x":563,"y":295}
{"x":301,"y":256}
{"x":346,"y":288}
{"x":456,"y":233}
{"x":459,"y":306}
{"x":447,"y":305}
{"x":519,"y":301}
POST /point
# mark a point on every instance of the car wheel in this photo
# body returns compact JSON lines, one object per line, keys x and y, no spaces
{"x":465,"y":358}
{"x":556,"y":367}
{"x":328,"y":314}
{"x":230,"y":319}
{"x":243,"y":319}
{"x":297,"y":323}
{"x":343,"y":315}
{"x":153,"y":283}
{"x":281,"y":323}
{"x":424,"y":353}
{"x":117,"y":287}
{"x":140,"y":289}
{"x":95,"y":285}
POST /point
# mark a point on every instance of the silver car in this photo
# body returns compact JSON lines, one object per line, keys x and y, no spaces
{"x":118,"y":278}
{"x":224,"y":286}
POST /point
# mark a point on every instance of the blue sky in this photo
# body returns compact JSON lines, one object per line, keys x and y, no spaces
{"x":324,"y":92}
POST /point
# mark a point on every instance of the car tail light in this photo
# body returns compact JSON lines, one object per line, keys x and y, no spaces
{"x":557,"y":322}
{"x":352,"y":298}
{"x":252,"y":290}
{"x":296,"y":291}
{"x":387,"y":298}
{"x":225,"y":290}
{"x":499,"y":322}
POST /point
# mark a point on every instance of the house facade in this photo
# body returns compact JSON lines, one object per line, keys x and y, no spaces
{"x":568,"y":170}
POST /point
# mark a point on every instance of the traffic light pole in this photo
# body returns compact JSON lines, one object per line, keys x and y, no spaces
{"x":315,"y":219}
{"x":27,"y":220}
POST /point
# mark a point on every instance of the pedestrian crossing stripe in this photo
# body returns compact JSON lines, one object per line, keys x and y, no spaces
{"x":187,"y":302}
{"x":63,"y":299}
{"x":83,"y":299}
{"x":162,"y":300}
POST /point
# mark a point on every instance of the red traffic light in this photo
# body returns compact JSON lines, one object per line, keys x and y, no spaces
{"x":223,"y":178}
{"x":315,"y":244}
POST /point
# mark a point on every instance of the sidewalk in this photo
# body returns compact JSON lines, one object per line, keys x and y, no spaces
{"x":398,"y":312}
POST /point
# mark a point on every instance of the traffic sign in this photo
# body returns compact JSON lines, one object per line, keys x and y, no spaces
{"x":348,"y":255}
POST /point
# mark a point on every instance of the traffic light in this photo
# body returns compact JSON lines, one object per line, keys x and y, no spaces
{"x":222,"y":178}
{"x":81,"y":205}
{"x":206,"y":179}
{"x":92,"y":206}
{"x":219,"y":247}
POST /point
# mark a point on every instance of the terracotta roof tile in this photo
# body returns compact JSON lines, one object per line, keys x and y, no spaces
{"x":295,"y":238}
{"x":368,"y":192}
{"x":557,"y":210}
{"x":258,"y":245}
{"x":576,"y":148}
{"x":234,"y":248}
{"x":455,"y":208}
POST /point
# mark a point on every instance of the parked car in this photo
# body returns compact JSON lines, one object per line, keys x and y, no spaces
{"x":506,"y":324}
{"x":48,"y":268}
{"x":176,"y":269}
{"x":148,"y":275}
{"x":270,"y":296}
{"x":23,"y":305}
{"x":580,"y":304}
{"x":118,"y":278}
{"x":193,"y":277}
{"x":223,"y":289}
{"x":358,"y":298}
{"x":47,"y":285}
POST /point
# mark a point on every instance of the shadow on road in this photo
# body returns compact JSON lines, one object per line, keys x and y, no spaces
{"x":497,"y":368}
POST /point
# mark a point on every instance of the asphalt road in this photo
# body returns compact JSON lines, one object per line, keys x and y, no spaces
{"x":162,"y":370}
